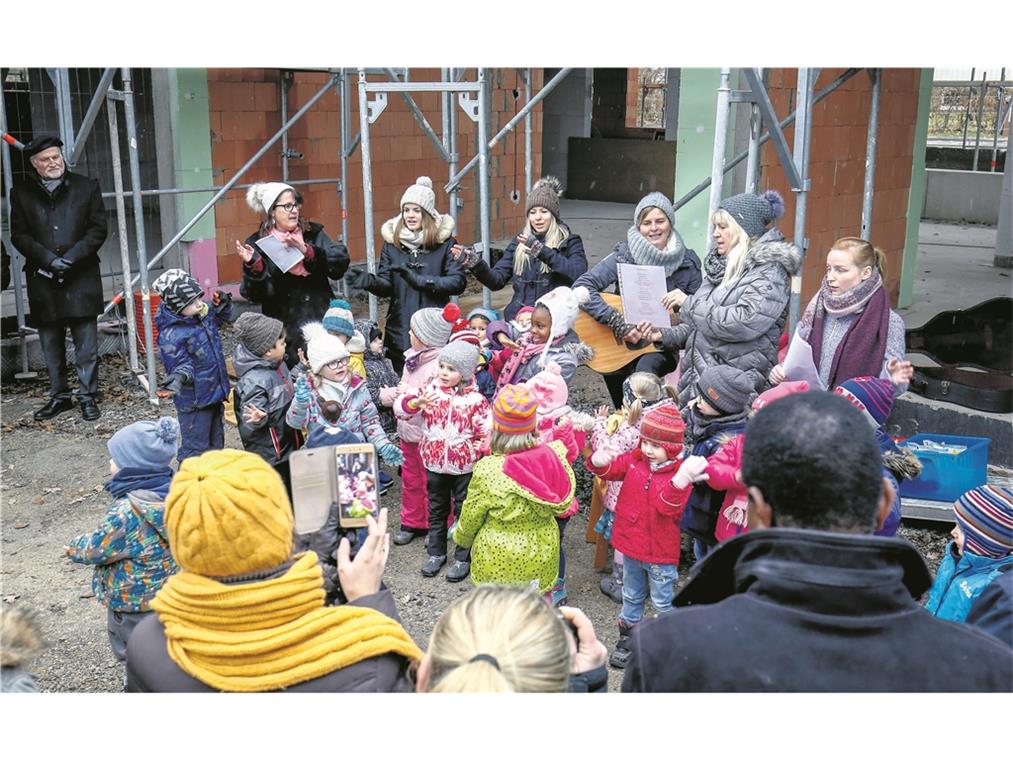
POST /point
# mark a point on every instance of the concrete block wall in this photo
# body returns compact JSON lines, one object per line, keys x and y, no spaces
{"x":244,"y":107}
{"x":837,"y":166}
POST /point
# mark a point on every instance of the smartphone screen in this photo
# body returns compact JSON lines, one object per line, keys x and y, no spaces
{"x":358,"y":492}
{"x":313,"y":487}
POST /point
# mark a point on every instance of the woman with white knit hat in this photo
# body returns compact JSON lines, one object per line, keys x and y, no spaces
{"x":416,"y":269}
{"x":302,"y":292}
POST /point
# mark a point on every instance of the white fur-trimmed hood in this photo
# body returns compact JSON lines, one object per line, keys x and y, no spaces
{"x":444,"y":228}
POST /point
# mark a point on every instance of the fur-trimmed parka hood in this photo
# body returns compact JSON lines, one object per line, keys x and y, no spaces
{"x":444,"y":229}
{"x":771,"y":247}
{"x":20,"y":636}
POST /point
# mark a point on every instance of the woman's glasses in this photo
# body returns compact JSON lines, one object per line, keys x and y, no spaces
{"x":289,"y":206}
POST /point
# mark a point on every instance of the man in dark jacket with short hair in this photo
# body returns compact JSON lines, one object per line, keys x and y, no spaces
{"x":58,"y":223}
{"x":809,"y":600}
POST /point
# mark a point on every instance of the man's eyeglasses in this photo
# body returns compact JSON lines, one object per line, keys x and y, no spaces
{"x":289,"y":206}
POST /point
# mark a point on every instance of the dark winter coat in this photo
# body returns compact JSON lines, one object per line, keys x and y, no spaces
{"x":739,"y":324}
{"x":150,"y":669}
{"x":992,"y":611}
{"x":605,"y":275}
{"x":293,"y":299}
{"x":566,"y":263}
{"x":704,"y":503}
{"x":193,"y":348}
{"x":798,"y":610}
{"x":443,"y":274}
{"x":70,"y":224}
{"x":267,"y":386}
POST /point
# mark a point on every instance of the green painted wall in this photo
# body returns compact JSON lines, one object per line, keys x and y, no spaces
{"x":916,"y":195}
{"x":698,"y":97}
{"x":191,"y":137}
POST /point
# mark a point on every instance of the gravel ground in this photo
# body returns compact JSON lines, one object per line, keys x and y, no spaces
{"x":51,"y":491}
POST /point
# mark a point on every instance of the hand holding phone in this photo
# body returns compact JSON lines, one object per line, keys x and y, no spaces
{"x":587,"y":653}
{"x":361,"y":576}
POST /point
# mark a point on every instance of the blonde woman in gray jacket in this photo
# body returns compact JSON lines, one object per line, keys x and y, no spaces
{"x":738,"y":314}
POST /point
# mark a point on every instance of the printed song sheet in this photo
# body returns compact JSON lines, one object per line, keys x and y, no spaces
{"x":641,"y":289}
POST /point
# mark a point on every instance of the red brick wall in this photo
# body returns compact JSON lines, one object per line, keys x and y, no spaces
{"x":837,"y":165}
{"x":245,"y":111}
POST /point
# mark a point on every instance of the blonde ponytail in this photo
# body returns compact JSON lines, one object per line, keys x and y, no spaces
{"x":863,"y":253}
{"x":647,"y":389}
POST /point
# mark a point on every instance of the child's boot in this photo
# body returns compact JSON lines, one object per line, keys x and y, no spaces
{"x":621,"y":654}
{"x":612,"y":586}
{"x":558,"y":592}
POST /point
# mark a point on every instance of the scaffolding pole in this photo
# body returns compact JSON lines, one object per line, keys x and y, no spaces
{"x":90,"y":115}
{"x":876,"y":75}
{"x":367,"y":181}
{"x":142,"y":251}
{"x":121,"y":222}
{"x":718,"y":157}
{"x":452,"y":149}
{"x":528,"y":176}
{"x":753,"y":152}
{"x":283,"y":100}
{"x":342,"y":88}
{"x":226,"y":187}
{"x":17,"y":260}
{"x":977,"y":126}
{"x":483,"y":176}
{"x":1000,"y":100}
{"x":800,"y":156}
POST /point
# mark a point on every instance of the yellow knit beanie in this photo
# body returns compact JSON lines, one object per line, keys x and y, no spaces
{"x":227,"y":513}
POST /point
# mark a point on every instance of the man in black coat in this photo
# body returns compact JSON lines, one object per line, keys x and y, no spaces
{"x":809,"y":600}
{"x":58,"y":223}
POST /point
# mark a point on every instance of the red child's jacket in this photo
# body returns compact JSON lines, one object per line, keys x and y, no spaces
{"x":648,"y":510}
{"x":722,"y":468}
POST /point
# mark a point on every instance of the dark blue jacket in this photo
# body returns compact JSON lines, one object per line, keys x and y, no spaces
{"x":565,"y":263}
{"x":605,"y":275}
{"x":992,"y":611}
{"x":193,"y":347}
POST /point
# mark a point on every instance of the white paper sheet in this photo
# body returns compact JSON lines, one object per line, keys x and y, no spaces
{"x":641,"y":289}
{"x":799,"y":365}
{"x":284,"y":257}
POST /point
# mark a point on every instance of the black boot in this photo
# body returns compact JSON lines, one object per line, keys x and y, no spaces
{"x":621,"y":654}
{"x":612,"y":586}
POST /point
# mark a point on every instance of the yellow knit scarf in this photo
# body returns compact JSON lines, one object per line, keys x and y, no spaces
{"x":270,"y":634}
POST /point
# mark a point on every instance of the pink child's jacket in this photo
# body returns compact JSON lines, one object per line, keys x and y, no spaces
{"x":455,"y":427}
{"x":410,"y":430}
{"x":722,"y":468}
{"x":573,"y":439}
{"x":648,"y":510}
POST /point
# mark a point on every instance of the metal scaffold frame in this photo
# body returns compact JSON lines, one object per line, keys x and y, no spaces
{"x":472,"y":98}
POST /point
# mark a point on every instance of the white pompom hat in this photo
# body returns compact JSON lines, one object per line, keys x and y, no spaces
{"x":422,"y":195}
{"x":262,"y":196}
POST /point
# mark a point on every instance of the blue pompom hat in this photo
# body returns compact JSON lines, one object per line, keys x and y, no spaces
{"x":147,"y":445}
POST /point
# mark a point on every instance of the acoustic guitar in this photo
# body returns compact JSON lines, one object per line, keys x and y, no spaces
{"x":608,"y":355}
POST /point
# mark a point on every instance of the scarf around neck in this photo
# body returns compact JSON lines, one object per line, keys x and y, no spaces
{"x":701,"y":427}
{"x":138,"y":479}
{"x":270,"y":634}
{"x":519,"y":358}
{"x":332,"y":391}
{"x":645,"y":254}
{"x":714,"y":266}
{"x":863,"y":346}
{"x":411,"y":239}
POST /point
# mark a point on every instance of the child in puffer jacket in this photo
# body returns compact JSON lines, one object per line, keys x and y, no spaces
{"x":380,"y":376}
{"x":714,"y":418}
{"x":329,"y":378}
{"x":517,"y":358}
{"x":515,"y":500}
{"x":646,"y":527}
{"x":721,"y":470}
{"x":429,"y":332}
{"x":620,"y":432}
{"x":130,"y":550}
{"x":455,"y":420}
{"x":981,"y":549}
{"x":557,"y":421}
{"x":264,"y":391}
{"x":191,"y":350}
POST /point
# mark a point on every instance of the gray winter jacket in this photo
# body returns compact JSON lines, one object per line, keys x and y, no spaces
{"x":267,"y":386}
{"x":739,"y":324}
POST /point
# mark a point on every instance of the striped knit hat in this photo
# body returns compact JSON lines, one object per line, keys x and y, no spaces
{"x":985,"y":515}
{"x":513,"y":410}
{"x":338,"y":318}
{"x":432,"y":326}
{"x":873,"y":396}
{"x":663,"y":426}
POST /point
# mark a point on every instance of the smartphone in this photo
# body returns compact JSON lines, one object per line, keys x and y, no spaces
{"x":314,"y":487}
{"x":358,"y":493}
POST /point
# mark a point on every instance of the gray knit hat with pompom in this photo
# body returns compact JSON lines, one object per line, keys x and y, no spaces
{"x":545,"y":193}
{"x":754,"y":213}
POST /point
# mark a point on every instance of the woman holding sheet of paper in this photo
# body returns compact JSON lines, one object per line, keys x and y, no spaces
{"x":287,"y":262}
{"x":651,"y":240}
{"x":738,"y":314}
{"x":849,"y":325}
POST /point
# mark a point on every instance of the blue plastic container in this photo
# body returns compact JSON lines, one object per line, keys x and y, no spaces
{"x":947,"y":477}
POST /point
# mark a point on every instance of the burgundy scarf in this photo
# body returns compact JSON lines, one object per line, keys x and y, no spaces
{"x":863,"y":346}
{"x":518,"y":358}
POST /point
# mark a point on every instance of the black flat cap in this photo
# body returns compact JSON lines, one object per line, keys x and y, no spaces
{"x":40,"y":143}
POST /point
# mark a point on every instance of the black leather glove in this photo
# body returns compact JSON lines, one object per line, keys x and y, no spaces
{"x":60,"y":266}
{"x":358,"y":278}
{"x":417,"y":281}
